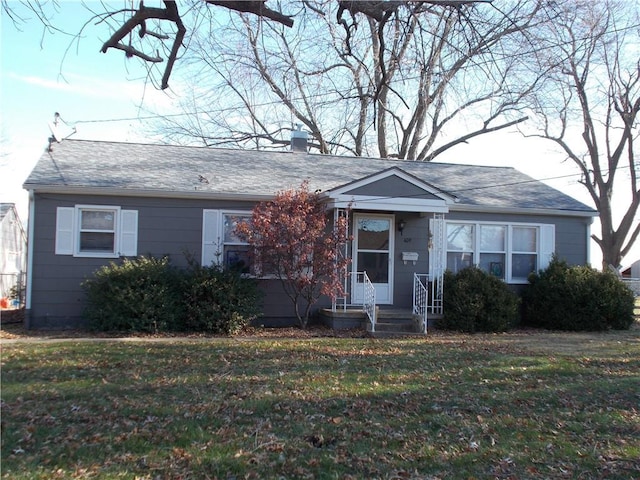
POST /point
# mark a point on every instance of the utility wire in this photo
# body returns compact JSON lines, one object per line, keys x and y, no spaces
{"x":324,"y":95}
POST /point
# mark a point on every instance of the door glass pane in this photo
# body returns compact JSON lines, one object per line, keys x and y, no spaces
{"x":376,"y":265}
{"x":492,"y":238}
{"x":524,"y":239}
{"x":459,"y":237}
{"x":373,"y":234}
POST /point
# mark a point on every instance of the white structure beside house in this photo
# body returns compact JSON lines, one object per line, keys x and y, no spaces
{"x":13,"y":253}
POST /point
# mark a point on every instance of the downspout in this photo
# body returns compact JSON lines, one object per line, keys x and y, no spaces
{"x":30,"y":237}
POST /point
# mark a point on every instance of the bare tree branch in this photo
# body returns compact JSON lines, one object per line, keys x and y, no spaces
{"x":256,"y":7}
{"x":470,"y":135}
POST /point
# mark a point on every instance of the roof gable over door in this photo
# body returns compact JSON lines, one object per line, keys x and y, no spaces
{"x":392,"y":189}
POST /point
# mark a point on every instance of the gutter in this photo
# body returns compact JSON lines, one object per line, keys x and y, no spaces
{"x":207,"y":195}
{"x":123,"y":192}
{"x":524,"y":211}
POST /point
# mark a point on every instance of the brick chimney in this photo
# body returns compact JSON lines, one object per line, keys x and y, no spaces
{"x":299,"y":139}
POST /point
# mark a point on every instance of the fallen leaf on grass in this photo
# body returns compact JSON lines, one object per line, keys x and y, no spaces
{"x":319,"y":441}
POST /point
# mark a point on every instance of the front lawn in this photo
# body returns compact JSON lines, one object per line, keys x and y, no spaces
{"x":520,"y":405}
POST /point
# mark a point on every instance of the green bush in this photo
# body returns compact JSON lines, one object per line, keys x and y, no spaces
{"x":147,"y":294}
{"x":137,"y":294}
{"x":475,"y":301}
{"x":217,"y":300}
{"x":577,"y":298}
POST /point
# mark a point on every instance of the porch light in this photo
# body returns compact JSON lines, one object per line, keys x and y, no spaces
{"x":401,"y":225}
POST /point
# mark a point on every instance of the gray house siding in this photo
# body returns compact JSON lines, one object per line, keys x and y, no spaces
{"x":165,"y":227}
{"x":392,"y":186}
{"x":414,"y":238}
{"x":174,"y":226}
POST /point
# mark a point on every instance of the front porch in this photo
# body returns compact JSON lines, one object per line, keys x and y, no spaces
{"x":396,"y":227}
{"x":385,"y":320}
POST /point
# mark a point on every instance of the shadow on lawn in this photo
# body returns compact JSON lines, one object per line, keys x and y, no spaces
{"x":451,"y":406}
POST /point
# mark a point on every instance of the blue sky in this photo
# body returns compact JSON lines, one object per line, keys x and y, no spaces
{"x":46,"y":72}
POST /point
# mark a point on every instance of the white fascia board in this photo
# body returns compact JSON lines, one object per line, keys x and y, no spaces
{"x":123,"y":192}
{"x":391,"y":204}
{"x":524,"y":211}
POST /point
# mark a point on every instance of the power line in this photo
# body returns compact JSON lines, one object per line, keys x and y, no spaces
{"x":324,"y":95}
{"x":129,"y":119}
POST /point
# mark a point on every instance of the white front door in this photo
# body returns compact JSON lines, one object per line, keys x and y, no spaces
{"x":373,"y":253}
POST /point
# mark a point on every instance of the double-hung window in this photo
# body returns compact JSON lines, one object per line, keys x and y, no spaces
{"x":493,"y":249}
{"x":460,"y":246}
{"x":508,"y":251}
{"x":524,"y":252}
{"x":96,"y":231}
{"x":235,"y":250}
{"x":220,"y":244}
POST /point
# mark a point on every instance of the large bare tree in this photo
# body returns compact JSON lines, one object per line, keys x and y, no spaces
{"x":409,"y":80}
{"x":587,"y":103}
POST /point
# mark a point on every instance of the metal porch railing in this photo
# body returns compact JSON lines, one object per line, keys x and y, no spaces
{"x":360,"y":287}
{"x":420,"y":298}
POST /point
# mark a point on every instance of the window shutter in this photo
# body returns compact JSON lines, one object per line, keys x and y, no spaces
{"x":64,"y":230}
{"x":129,"y":233}
{"x":211,"y":242}
{"x":547,"y":245}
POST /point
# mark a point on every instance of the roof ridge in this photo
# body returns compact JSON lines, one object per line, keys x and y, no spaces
{"x":394,"y":161}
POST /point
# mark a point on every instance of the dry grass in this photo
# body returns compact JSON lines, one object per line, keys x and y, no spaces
{"x":523,"y":405}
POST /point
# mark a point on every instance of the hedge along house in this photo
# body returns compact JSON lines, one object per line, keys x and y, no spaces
{"x":95,"y":202}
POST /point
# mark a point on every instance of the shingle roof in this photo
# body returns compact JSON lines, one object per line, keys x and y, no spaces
{"x":167,"y":169}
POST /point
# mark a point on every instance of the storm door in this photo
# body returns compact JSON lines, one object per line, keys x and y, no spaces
{"x":373,"y":254}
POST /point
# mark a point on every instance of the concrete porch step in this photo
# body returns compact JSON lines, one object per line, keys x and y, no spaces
{"x":390,"y":322}
{"x":395,"y":322}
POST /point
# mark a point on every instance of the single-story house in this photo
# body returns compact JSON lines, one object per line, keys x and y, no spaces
{"x":92,"y":202}
{"x":13,"y":256}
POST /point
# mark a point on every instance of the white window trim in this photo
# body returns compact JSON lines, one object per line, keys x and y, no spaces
{"x":213,"y":235}
{"x":67,"y":241}
{"x":542,"y":245}
{"x":223,"y":243}
{"x":504,"y":252}
{"x":213,"y":240}
{"x":78,"y":231}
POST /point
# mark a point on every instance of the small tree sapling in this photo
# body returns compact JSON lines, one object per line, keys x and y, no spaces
{"x":294,"y":239}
